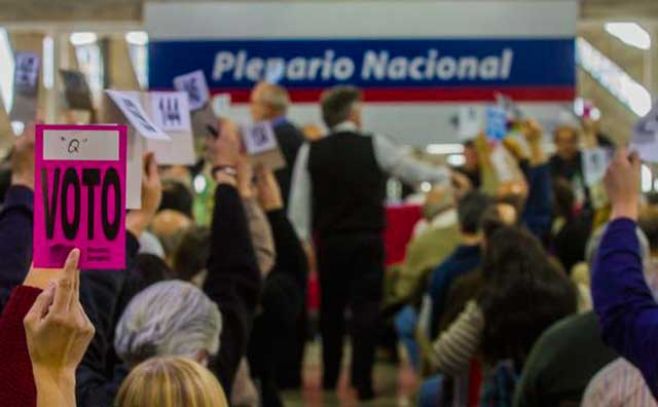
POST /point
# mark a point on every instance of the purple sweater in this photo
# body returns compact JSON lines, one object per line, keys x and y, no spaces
{"x":627,"y":312}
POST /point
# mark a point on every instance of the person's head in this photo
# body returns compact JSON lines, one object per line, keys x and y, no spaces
{"x":566,"y":141}
{"x":170,"y":318}
{"x":648,"y":222}
{"x":268,"y":101}
{"x":497,"y":216}
{"x":470,"y":210}
{"x":151,"y":269}
{"x":340,"y":104}
{"x":192,"y":254}
{"x":170,"y":382}
{"x":438,"y":200}
{"x":169,"y":226}
{"x":564,"y":198}
{"x":471,"y":161}
{"x":524,"y":292}
{"x":176,"y":196}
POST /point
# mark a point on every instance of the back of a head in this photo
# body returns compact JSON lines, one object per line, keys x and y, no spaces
{"x":564,"y":197}
{"x":470,"y":211}
{"x":191,"y":256}
{"x":275,"y":97}
{"x":166,"y":319}
{"x":170,"y":382}
{"x":337,"y":104}
{"x":524,"y":293}
{"x":169,"y":226}
{"x":176,"y":196}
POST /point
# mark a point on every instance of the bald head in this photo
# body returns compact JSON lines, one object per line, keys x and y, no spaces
{"x":268,"y":101}
{"x":170,"y":226}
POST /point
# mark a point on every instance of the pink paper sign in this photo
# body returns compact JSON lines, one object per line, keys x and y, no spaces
{"x":80,"y":195}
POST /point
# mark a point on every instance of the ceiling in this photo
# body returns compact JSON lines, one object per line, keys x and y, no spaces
{"x":19,"y":12}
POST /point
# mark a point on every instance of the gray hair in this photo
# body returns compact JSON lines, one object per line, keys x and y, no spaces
{"x":276,"y":97}
{"x":170,"y":318}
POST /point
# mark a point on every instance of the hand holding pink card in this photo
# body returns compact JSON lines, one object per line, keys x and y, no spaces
{"x":80,"y":195}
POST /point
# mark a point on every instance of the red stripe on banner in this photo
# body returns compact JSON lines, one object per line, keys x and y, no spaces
{"x":428,"y":94}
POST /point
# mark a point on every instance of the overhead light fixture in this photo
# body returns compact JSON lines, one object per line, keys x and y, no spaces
{"x":137,"y":38}
{"x":630,"y":33}
{"x":444,"y":149}
{"x":83,"y":38}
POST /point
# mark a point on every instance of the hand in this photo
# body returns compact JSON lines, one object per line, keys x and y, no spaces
{"x":151,"y":185}
{"x":22,"y":159}
{"x":269,"y":193}
{"x":622,"y":180}
{"x":461,"y":183}
{"x":225,"y":148}
{"x":58,"y":333}
{"x":532,"y":131}
{"x":138,"y":220}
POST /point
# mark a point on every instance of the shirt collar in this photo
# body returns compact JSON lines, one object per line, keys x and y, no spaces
{"x":345,"y":126}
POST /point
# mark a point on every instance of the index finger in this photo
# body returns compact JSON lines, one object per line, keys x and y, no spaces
{"x":67,"y":283}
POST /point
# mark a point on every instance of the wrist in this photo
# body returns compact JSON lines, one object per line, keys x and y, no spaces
{"x":60,"y":378}
{"x":625,"y":210}
{"x":23,"y":181}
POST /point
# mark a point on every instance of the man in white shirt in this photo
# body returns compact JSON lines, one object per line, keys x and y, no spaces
{"x":337,"y":197}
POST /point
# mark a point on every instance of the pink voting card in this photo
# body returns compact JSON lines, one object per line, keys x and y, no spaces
{"x":80,"y":195}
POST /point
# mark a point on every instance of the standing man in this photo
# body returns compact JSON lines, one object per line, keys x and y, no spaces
{"x":338,"y":195}
{"x":270,"y":102}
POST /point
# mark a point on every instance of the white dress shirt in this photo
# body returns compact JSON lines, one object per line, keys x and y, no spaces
{"x":392,"y":159}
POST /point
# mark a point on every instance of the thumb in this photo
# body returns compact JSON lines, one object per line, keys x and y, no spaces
{"x":40,"y":307}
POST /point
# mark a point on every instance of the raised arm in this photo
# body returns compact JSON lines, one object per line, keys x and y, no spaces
{"x":233,"y":280}
{"x":399,"y":163}
{"x":627,"y":312}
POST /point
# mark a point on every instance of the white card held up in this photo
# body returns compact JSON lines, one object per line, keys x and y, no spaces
{"x":261,"y":145}
{"x":595,"y":162}
{"x":170,"y":111}
{"x":196,"y":87}
{"x":26,"y":75}
{"x":645,"y":136}
{"x":130,"y":105}
{"x":259,"y":138}
{"x":26,"y":88}
{"x":469,"y":122}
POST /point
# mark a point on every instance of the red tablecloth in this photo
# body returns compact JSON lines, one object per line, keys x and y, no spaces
{"x":400,"y":222}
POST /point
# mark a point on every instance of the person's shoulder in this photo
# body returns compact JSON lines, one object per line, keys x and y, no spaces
{"x":569,"y":329}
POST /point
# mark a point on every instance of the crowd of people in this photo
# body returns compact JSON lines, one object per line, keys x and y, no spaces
{"x":523,"y":284}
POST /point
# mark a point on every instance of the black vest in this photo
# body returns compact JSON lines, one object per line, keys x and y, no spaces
{"x":348,"y":186}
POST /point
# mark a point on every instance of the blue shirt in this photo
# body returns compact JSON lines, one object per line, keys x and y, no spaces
{"x":627,"y":312}
{"x":462,"y":261}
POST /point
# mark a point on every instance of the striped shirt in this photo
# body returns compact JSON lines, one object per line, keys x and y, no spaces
{"x":616,"y":385}
{"x":456,"y":346}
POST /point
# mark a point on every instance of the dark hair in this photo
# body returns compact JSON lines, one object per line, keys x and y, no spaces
{"x":491,"y":221}
{"x":337,"y":103}
{"x":470,"y":211}
{"x":648,"y":222}
{"x":564,"y":198}
{"x":192,"y":253}
{"x":524,"y":293}
{"x":176,"y":196}
{"x":151,"y":269}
